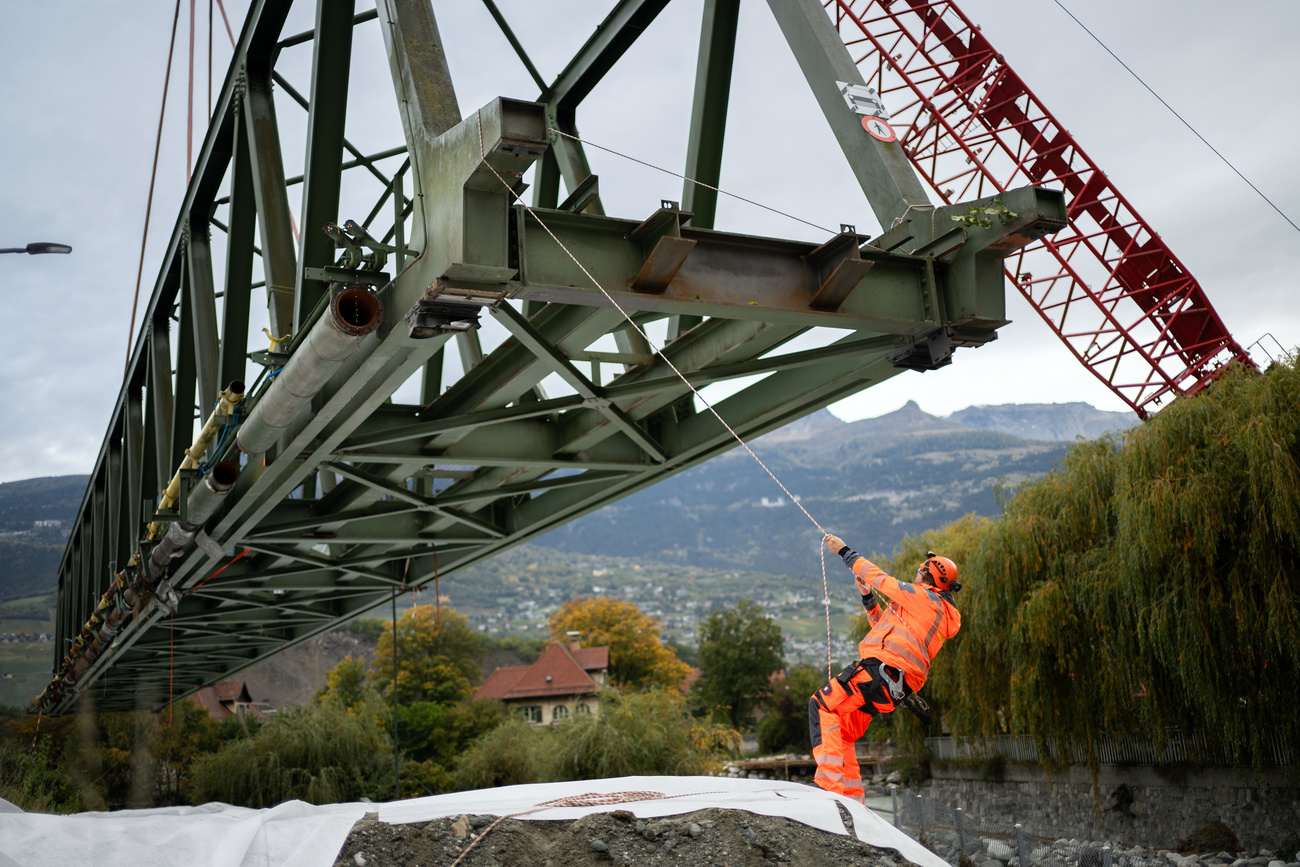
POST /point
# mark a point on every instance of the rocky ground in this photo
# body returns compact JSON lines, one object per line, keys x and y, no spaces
{"x":994,"y":852}
{"x":707,"y":838}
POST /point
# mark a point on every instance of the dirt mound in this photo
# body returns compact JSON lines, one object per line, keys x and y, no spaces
{"x":706,"y":838}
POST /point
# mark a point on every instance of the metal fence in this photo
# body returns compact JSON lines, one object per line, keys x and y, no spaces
{"x":1177,"y":746}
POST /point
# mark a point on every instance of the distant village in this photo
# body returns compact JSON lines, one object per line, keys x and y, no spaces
{"x":680,"y":614}
{"x":43,"y":529}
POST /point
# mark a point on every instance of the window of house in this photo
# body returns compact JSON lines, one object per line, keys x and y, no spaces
{"x":561,"y":712}
{"x":583,"y":708}
{"x":532,"y":713}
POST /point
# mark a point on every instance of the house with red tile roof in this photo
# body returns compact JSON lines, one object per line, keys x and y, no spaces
{"x":228,"y":699}
{"x":565,"y":680}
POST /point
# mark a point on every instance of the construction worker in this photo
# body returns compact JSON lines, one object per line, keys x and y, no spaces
{"x":895,"y":660}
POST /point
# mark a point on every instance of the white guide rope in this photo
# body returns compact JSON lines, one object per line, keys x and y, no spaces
{"x":826,"y":599}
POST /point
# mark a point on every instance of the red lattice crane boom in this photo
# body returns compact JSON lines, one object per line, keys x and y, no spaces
{"x":1106,"y":284}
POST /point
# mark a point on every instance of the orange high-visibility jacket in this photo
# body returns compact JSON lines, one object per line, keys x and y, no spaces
{"x":909,"y":632}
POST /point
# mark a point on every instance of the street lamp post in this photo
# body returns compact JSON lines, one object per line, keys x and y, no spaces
{"x":38,"y":247}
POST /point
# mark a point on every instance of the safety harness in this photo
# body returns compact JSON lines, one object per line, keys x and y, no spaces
{"x":899,"y":691}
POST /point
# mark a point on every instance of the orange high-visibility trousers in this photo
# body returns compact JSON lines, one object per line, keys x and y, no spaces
{"x":838,"y":714}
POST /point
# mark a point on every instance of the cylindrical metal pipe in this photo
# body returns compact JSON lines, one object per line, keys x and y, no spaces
{"x":232,"y":397}
{"x":353,"y":313}
{"x":204,"y":502}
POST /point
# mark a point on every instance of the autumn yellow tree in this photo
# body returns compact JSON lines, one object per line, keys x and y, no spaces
{"x":437,"y":657}
{"x":637,"y":657}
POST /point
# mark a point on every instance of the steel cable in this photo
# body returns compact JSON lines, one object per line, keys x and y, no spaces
{"x":826,"y":598}
{"x":153,"y":176}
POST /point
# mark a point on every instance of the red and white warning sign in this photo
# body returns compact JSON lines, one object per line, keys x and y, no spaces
{"x":879,"y":129}
{"x":864,"y":100}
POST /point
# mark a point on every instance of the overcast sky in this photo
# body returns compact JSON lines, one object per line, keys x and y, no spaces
{"x":80,"y":85}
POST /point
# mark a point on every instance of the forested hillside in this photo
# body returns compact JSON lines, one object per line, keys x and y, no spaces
{"x":872,"y":482}
{"x":29,"y":555}
{"x":1148,"y":583}
{"x":49,"y":498}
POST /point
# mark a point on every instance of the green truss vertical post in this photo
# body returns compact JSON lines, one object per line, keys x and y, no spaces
{"x":709,"y":110}
{"x":331,"y":61}
{"x":882,"y":169}
{"x":160,"y":393}
{"x":236,"y":303}
{"x":278,"y":259}
{"x":203,"y":313}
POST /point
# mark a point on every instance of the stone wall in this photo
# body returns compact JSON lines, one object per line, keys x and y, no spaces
{"x":1134,"y":805}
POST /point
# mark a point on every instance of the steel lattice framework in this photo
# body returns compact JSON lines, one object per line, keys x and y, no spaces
{"x":1107,"y":285}
{"x":314,"y":494}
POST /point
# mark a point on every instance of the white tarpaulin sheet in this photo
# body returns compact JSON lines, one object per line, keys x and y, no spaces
{"x":296,"y":834}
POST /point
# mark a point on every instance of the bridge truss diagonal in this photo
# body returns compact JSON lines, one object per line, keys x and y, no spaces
{"x":444,"y":380}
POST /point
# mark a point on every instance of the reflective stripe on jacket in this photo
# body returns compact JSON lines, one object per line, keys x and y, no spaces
{"x":913,"y":627}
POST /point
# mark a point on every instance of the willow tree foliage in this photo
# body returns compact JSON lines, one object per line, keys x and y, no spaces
{"x":635,"y":734}
{"x":322,"y":753}
{"x":1148,"y":583}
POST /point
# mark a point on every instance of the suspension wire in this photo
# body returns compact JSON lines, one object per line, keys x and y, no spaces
{"x":826,"y":599}
{"x":222,"y":7}
{"x":209,"y":61}
{"x":189,"y":112}
{"x":153,"y":176}
{"x":589,"y":143}
{"x":1184,"y":122}
{"x":641,"y":331}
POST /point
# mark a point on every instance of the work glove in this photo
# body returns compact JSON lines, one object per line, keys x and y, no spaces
{"x":834,"y":544}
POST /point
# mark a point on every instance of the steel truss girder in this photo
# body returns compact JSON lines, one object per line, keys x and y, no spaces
{"x":362,"y":497}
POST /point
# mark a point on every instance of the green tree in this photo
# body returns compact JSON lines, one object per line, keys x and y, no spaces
{"x":785,"y":726}
{"x":437,"y":657}
{"x":740,"y":649}
{"x":1113,"y":593}
{"x":638,"y":734}
{"x":647,"y":733}
{"x":345,"y":683}
{"x":438,"y":732}
{"x":321,"y":753}
{"x":637,"y":657}
{"x":31,"y":779}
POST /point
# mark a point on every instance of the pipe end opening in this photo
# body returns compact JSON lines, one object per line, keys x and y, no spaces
{"x":356,"y":309}
{"x":224,"y":475}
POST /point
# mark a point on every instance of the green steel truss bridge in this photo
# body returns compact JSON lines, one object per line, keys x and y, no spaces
{"x":311,"y":494}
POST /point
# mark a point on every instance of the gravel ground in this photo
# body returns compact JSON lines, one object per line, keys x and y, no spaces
{"x":708,"y":838}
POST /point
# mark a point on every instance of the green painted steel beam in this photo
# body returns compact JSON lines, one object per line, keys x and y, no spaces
{"x":882,"y":169}
{"x":269,"y":192}
{"x":709,"y":110}
{"x":322,"y":177}
{"x":361,"y":498}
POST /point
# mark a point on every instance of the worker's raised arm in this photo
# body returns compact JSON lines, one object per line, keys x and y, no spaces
{"x":866,"y":575}
{"x":871,"y":604}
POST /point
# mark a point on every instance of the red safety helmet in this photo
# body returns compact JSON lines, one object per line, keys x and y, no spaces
{"x":942,"y":571}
